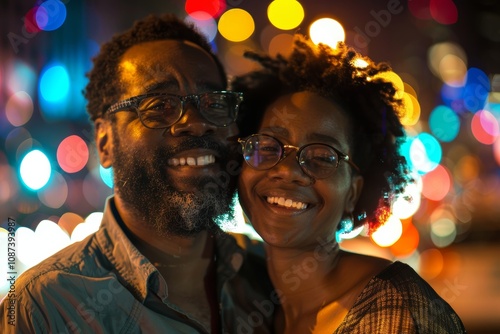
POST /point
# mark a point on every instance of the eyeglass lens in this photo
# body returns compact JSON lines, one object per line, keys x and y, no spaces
{"x":165,"y":110}
{"x":263,"y":152}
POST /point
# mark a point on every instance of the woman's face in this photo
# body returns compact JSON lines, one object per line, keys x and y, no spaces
{"x":317,"y":204}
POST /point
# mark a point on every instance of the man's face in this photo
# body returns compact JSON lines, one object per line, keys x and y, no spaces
{"x":177,"y":180}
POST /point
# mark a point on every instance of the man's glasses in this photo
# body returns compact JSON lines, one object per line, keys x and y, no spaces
{"x":160,"y":110}
{"x":319,"y":161}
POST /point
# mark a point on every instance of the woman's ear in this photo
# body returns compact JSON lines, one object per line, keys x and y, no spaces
{"x":104,"y":142}
{"x":354,"y":192}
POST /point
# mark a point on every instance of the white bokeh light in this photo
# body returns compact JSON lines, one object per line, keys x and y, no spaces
{"x":35,"y":169}
{"x":387,"y":234}
{"x":327,"y":31}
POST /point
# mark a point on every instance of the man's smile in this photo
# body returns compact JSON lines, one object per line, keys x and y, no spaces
{"x":202,"y":160}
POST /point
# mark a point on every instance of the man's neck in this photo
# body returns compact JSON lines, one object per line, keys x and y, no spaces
{"x":186,"y":264}
{"x":164,"y":250}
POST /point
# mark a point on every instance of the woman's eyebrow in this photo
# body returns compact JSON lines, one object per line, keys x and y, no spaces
{"x":323,"y":138}
{"x":313,"y":137}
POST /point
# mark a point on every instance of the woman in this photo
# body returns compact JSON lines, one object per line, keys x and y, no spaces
{"x":322,"y":158}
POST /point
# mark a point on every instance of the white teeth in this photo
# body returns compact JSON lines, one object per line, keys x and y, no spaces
{"x":288,"y":203}
{"x":191,"y":161}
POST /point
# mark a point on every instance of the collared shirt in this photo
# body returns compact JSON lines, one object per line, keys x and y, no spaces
{"x":103,"y":284}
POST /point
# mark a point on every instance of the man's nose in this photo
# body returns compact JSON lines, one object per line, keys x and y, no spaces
{"x":192,"y":122}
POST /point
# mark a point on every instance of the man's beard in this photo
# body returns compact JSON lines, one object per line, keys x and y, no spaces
{"x":145,"y":187}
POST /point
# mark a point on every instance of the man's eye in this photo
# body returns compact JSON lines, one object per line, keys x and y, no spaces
{"x":159,"y":104}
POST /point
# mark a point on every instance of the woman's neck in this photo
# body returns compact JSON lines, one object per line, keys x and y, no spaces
{"x":301,"y":275}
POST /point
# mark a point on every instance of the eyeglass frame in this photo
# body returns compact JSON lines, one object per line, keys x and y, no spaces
{"x":133,"y":102}
{"x":284,"y":147}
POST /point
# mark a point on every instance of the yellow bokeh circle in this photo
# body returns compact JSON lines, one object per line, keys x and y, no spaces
{"x":236,"y":25}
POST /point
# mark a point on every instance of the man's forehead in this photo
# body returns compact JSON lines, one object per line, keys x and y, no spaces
{"x":165,"y":47}
{"x":164,"y":64}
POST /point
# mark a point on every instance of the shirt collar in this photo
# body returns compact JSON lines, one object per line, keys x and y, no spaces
{"x":138,"y":273}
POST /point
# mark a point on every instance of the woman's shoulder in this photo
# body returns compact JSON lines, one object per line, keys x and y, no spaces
{"x":365,"y":265}
{"x":396,"y":294}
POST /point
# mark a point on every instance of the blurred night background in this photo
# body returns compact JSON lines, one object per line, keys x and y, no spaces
{"x":445,"y":56}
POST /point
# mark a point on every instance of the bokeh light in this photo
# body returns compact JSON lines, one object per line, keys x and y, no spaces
{"x":476,"y":89}
{"x":55,"y":194}
{"x":484,"y":127}
{"x":72,"y":154}
{"x":438,"y":176}
{"x":452,"y":70}
{"x":35,"y":169}
{"x":412,"y":110}
{"x":50,"y":15}
{"x":84,"y":229}
{"x":68,"y":222}
{"x":196,"y":8}
{"x":444,"y":123}
{"x":443,"y":232}
{"x":442,"y":57}
{"x":30,"y":24}
{"x":444,"y":11}
{"x":387,"y":234}
{"x":327,"y":31}
{"x":425,"y":152}
{"x":106,"y":176}
{"x":236,"y":25}
{"x":21,"y":77}
{"x":54,"y":83}
{"x":19,"y":108}
{"x":407,"y":243}
{"x":285,"y":14}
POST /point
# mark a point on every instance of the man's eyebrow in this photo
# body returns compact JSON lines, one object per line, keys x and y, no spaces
{"x":162,"y":86}
{"x":202,"y":86}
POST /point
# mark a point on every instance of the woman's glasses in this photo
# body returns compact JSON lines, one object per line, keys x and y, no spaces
{"x":317,"y":160}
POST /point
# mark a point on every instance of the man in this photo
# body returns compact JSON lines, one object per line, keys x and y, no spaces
{"x":159,"y":263}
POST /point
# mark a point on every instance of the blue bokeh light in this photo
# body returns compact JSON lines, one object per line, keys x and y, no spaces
{"x":106,"y":175}
{"x":444,"y":123}
{"x":476,"y":90}
{"x":54,"y":83}
{"x":50,"y":15}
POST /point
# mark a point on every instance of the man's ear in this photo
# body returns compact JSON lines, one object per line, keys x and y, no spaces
{"x":354,"y":192}
{"x":104,"y":142}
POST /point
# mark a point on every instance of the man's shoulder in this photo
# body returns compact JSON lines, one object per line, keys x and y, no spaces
{"x":82,"y":258}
